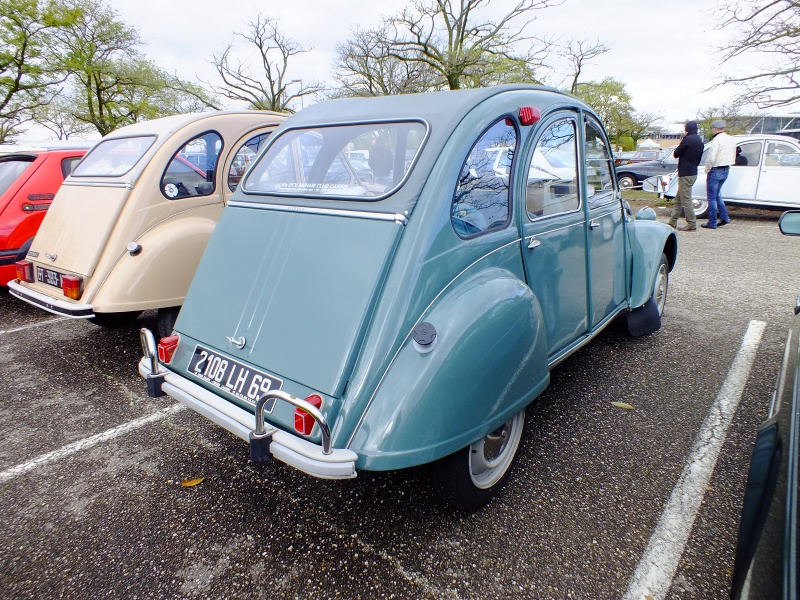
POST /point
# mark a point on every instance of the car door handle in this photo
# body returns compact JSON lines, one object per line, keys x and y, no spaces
{"x":534,"y":243}
{"x":593,"y":224}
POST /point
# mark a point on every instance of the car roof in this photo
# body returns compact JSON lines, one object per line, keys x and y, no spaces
{"x":168,"y":125}
{"x":441,"y":111}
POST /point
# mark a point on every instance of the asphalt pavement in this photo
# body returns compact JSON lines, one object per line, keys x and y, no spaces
{"x":92,"y":506}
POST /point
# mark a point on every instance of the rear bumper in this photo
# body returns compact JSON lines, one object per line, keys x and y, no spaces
{"x":57,"y":307}
{"x":294,"y":451}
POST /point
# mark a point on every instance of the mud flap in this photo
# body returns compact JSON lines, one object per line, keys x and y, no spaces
{"x":644,"y":320}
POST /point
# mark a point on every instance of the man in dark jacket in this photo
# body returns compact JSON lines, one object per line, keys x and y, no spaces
{"x":688,"y":153}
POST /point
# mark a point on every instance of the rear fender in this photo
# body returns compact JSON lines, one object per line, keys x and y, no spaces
{"x":649,"y":239}
{"x":160,"y":274}
{"x":488,"y":361}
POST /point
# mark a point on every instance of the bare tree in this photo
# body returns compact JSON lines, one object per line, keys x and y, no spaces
{"x":452,"y":39}
{"x":769,"y":29}
{"x":579,"y":53}
{"x":365,"y":67}
{"x":731,"y":113}
{"x":269,"y":88}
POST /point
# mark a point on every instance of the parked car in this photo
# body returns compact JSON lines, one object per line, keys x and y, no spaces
{"x":632,"y":175}
{"x":639,"y":156}
{"x":384,"y":324}
{"x":128,"y":227}
{"x":766,"y":551}
{"x":767,"y":179}
{"x":29,"y":180}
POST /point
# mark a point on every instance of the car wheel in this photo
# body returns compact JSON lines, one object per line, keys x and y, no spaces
{"x":661,"y":285}
{"x":119,"y":319}
{"x":700,"y":207}
{"x":470,"y":478}
{"x":626,"y":182}
{"x":165,"y":320}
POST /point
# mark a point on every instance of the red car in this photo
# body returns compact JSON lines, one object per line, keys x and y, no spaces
{"x":29,"y":179}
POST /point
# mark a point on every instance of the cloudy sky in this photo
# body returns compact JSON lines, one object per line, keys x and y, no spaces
{"x":665,"y":51}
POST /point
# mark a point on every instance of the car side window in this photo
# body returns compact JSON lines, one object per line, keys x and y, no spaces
{"x":482,"y":199}
{"x":244,"y":158}
{"x":552,"y":186}
{"x":599,"y":185}
{"x":68,"y":165}
{"x":748,"y":154}
{"x":780,"y":154}
{"x":192,"y":170}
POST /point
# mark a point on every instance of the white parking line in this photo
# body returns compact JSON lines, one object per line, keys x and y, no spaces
{"x":656,"y":569}
{"x":33,"y":325}
{"x":85,"y":443}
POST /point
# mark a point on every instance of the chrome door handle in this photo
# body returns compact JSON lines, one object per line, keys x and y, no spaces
{"x":593,"y":224}
{"x":534,"y":243}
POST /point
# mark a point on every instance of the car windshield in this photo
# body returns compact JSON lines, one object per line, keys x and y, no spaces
{"x":113,"y":158}
{"x":357,"y":162}
{"x":11,"y":169}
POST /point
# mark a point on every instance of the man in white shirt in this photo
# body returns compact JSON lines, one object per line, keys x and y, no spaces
{"x":721,"y":154}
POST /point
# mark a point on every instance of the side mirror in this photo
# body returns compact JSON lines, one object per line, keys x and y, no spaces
{"x":789,"y":223}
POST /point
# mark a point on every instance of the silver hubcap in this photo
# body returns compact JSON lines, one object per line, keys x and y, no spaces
{"x":490,"y":458}
{"x":700,"y":206}
{"x":660,"y":291}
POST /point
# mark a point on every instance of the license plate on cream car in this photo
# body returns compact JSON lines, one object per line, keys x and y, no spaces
{"x":48,"y":276}
{"x":229,"y":375}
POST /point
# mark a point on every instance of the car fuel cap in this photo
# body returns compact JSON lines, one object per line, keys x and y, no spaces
{"x":424,"y":334}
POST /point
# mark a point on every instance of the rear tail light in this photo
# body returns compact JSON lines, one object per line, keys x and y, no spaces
{"x":72,"y":286}
{"x":304,"y":422}
{"x":166,"y":348}
{"x":24,"y":271}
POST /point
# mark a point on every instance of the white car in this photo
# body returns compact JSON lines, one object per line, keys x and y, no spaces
{"x":769,"y":179}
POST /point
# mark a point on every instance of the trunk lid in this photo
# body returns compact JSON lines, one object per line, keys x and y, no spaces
{"x":78,"y":224}
{"x":299,"y":287}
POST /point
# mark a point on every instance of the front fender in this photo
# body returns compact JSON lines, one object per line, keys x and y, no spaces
{"x":649,"y":239}
{"x":489,"y":360}
{"x":159,"y":276}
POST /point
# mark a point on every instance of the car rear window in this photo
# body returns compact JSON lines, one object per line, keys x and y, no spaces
{"x":11,"y":169}
{"x":114,"y":157}
{"x":358,"y":162}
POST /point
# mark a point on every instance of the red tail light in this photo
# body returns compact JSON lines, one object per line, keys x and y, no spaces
{"x":304,"y":422}
{"x":166,"y":348}
{"x":72,"y":286}
{"x":24,"y":270}
{"x":528,"y":115}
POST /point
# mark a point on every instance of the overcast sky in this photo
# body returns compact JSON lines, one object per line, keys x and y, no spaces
{"x":665,"y":51}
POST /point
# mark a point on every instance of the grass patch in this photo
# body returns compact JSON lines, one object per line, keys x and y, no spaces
{"x":651,"y":198}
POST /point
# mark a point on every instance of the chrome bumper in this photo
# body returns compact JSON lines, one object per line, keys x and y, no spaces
{"x":302,"y":454}
{"x":57,"y":307}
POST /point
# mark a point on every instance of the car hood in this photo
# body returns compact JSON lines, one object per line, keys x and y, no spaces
{"x":298,"y":287}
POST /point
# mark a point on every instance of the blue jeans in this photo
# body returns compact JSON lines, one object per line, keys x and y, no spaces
{"x":714,"y":180}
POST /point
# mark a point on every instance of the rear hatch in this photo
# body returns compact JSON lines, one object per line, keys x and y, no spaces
{"x":77,"y":225}
{"x":299,"y":287}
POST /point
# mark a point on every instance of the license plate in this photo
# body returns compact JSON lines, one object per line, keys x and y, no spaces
{"x":48,"y":276}
{"x":229,"y":375}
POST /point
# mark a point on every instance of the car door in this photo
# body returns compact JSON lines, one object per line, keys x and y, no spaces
{"x":554,"y":231}
{"x":779,"y":173}
{"x":742,"y":180}
{"x":607,"y":272}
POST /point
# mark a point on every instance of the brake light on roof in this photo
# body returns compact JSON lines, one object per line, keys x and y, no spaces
{"x":24,"y":271}
{"x":528,"y":115}
{"x":166,"y":347}
{"x":72,"y":286}
{"x":304,"y":422}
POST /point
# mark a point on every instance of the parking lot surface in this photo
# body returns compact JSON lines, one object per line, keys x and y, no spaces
{"x":92,"y":504}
